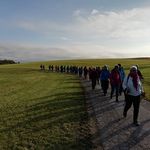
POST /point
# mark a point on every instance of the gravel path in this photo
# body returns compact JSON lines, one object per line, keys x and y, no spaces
{"x":113,"y":131}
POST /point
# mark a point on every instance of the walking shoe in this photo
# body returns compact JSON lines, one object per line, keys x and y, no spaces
{"x":136,"y":123}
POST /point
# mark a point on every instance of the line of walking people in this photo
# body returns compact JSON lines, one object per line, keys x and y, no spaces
{"x":130,"y":85}
{"x":104,"y":77}
{"x":115,"y":77}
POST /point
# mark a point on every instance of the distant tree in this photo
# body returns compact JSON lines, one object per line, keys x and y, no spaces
{"x":5,"y":61}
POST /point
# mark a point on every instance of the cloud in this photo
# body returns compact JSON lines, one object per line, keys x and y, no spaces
{"x":88,"y":50}
{"x":42,"y":27}
{"x":90,"y":34}
{"x":29,"y":52}
{"x":65,"y":38}
{"x":132,"y":23}
{"x":76,"y":12}
{"x":94,"y":11}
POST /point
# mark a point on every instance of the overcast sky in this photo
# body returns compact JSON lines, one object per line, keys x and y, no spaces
{"x":33,"y":30}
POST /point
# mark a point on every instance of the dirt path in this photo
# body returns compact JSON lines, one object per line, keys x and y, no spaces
{"x":113,"y":132}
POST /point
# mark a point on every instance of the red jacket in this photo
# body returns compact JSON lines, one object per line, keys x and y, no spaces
{"x":115,"y":78}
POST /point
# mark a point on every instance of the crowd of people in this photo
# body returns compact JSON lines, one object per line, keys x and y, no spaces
{"x":130,"y":84}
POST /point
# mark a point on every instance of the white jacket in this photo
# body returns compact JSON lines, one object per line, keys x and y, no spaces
{"x":128,"y":84}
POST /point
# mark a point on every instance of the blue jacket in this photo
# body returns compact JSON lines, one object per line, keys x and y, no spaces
{"x":105,"y":74}
{"x":122,"y":74}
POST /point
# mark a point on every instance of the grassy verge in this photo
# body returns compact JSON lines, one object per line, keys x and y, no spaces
{"x":41,"y":110}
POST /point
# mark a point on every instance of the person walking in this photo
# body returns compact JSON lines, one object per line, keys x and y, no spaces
{"x":85,"y":72}
{"x":133,"y":89}
{"x":104,"y":78}
{"x":115,"y":81}
{"x":93,"y":77}
{"x":122,"y":76}
{"x":98,"y":71}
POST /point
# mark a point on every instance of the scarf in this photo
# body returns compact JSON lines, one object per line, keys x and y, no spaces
{"x":134,"y":76}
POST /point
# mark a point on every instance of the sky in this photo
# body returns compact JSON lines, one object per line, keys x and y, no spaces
{"x":40,"y":30}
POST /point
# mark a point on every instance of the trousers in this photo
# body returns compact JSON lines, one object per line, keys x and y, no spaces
{"x":135,"y":100}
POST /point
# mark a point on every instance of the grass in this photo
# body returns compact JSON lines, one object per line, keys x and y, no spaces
{"x":41,"y":110}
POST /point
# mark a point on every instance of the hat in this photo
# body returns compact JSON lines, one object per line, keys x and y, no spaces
{"x":133,"y":68}
{"x":106,"y":67}
{"x":116,"y":66}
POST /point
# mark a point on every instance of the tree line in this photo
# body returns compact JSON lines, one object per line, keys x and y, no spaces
{"x":6,"y":61}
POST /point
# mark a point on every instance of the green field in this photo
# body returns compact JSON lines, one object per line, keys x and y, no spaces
{"x":43,"y":110}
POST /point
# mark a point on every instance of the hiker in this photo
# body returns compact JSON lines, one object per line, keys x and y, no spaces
{"x":104,"y":78}
{"x":133,"y":89}
{"x":56,"y":68}
{"x":115,"y":81}
{"x":93,"y":77}
{"x":90,"y":73}
{"x":80,"y":71}
{"x":67,"y":69}
{"x":61,"y":69}
{"x":85,"y":72}
{"x":52,"y":68}
{"x":49,"y":67}
{"x":122,"y":76}
{"x":98,"y":71}
{"x":41,"y":66}
{"x":64,"y":68}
